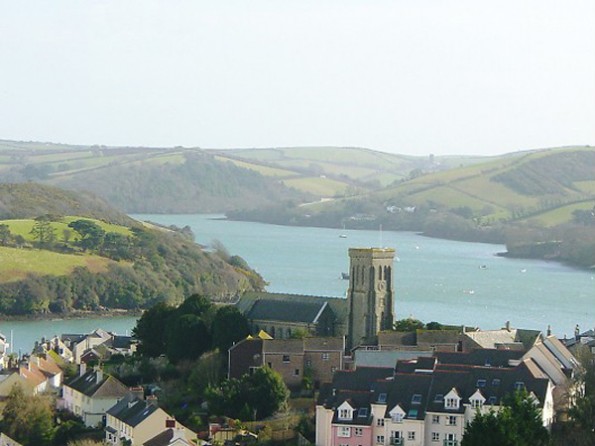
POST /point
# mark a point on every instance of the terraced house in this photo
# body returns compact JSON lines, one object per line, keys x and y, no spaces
{"x":426,"y":401}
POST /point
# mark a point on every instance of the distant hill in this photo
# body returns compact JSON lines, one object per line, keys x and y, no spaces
{"x":187,"y":180}
{"x":544,"y":198}
{"x":543,"y":185}
{"x":93,"y":264}
{"x":138,"y":179}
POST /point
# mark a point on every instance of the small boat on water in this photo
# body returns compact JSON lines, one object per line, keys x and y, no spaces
{"x":345,"y":276}
{"x":343,"y":236}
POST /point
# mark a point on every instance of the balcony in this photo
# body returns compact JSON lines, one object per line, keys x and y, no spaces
{"x":394,"y":441}
{"x":451,"y":443}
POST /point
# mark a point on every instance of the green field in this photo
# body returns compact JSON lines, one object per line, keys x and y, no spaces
{"x":323,"y":187}
{"x":23,"y":227}
{"x":15,"y":263}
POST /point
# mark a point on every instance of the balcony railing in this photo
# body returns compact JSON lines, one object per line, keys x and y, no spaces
{"x":451,"y":443}
{"x":394,"y":441}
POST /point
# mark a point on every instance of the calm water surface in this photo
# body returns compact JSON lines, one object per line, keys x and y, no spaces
{"x":435,"y":280}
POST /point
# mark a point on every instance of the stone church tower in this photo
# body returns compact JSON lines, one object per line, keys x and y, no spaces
{"x":370,"y":296}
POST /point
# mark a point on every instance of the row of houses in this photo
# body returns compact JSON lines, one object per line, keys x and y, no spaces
{"x":99,"y":399}
{"x":428,"y":400}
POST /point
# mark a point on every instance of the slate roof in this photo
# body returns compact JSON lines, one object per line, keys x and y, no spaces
{"x":324,"y":343}
{"x":283,"y":346}
{"x":285,"y":311}
{"x":163,"y":439}
{"x":360,"y":401}
{"x":419,"y":392}
{"x":337,"y":304}
{"x":132,"y":411}
{"x":483,"y":357}
{"x":88,"y":385}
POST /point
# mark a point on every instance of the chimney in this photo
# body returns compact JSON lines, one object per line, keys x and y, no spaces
{"x":152,"y":400}
{"x":549,"y":330}
{"x":507,"y":325}
{"x":82,"y":368}
{"x":137,"y":392}
{"x":99,"y":375}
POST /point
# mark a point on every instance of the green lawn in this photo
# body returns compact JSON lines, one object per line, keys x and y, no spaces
{"x":23,"y":227}
{"x":16,"y":263}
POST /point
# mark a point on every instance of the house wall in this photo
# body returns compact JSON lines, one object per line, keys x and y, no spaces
{"x":354,"y":439}
{"x":323,"y":364}
{"x":287,"y":368}
{"x":442,"y":428}
{"x":415,"y":427}
{"x":324,"y":418}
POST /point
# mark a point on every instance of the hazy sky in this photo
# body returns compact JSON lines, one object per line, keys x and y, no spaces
{"x":415,"y":77}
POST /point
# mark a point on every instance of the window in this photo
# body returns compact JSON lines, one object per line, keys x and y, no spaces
{"x":481,"y":383}
{"x":344,"y":431}
{"x":380,"y":439}
{"x":435,"y":419}
{"x":345,"y":414}
{"x":411,"y":435}
{"x":325,"y":356}
{"x":358,"y":431}
{"x":296,"y":372}
{"x":496,"y":382}
{"x":380,"y":422}
{"x":439,"y":398}
{"x":519,"y":385}
{"x":382,"y":398}
{"x":476,"y":404}
{"x":451,"y":420}
{"x":451,"y":403}
{"x":412,"y":413}
{"x":362,"y":412}
{"x":286,"y":358}
{"x":397,"y":418}
{"x":308,"y":363}
{"x":492,"y":400}
{"x":435,"y":436}
{"x":416,"y":399}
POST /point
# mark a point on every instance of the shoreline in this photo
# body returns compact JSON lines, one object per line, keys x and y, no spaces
{"x":69,"y":316}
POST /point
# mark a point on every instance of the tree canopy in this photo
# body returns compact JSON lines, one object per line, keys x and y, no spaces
{"x":253,"y":396}
{"x":518,"y":423}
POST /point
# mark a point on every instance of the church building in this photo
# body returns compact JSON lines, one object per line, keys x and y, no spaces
{"x":367,"y":310}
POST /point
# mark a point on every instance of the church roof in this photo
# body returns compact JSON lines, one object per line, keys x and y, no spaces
{"x":289,"y":303}
{"x":286,"y":311}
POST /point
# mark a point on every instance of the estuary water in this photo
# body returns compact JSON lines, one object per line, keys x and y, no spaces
{"x":435,"y":280}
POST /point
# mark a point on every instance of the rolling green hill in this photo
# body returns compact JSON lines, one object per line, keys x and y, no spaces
{"x":186,"y":180}
{"x":92,"y":264}
{"x":545,"y":185}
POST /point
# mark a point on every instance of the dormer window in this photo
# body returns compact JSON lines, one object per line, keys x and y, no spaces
{"x":416,"y":399}
{"x":481,"y":383}
{"x":382,"y":398}
{"x":345,"y":411}
{"x":452,"y":400}
{"x":451,"y":403}
{"x":397,"y":414}
{"x":496,"y":382}
{"x":477,"y":399}
{"x":344,"y":414}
